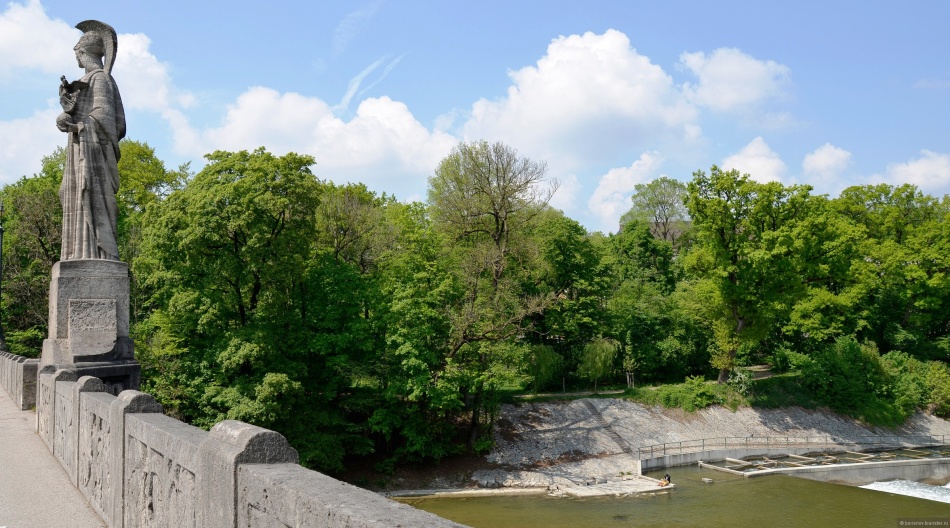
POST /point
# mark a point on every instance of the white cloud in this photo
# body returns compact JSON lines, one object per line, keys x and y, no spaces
{"x":930,"y":172}
{"x":567,"y":193}
{"x":824,"y":168}
{"x":24,"y":142}
{"x":590,"y":97}
{"x":383,"y":145}
{"x":612,"y":197}
{"x":30,"y":40}
{"x":757,"y":160}
{"x":144,"y":82}
{"x":730,"y":80}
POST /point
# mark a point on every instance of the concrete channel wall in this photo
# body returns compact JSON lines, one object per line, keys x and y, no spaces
{"x":138,"y":467}
{"x":18,"y":378}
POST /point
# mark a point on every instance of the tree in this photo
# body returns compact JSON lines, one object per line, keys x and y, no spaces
{"x":745,"y":254}
{"x":901,"y":269}
{"x":237,"y":330}
{"x":32,"y":225}
{"x":660,"y":205}
{"x":484,"y":198}
{"x":597,"y":360}
{"x":569,"y":269}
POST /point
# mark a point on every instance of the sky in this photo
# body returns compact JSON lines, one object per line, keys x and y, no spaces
{"x":608,"y":93}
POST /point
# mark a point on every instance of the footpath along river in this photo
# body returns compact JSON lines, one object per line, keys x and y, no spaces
{"x":778,"y":501}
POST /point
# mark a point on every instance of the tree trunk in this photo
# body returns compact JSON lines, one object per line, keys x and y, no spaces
{"x":723,"y":376}
{"x":476,"y":411}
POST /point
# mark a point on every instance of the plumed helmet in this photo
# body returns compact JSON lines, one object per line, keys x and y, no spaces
{"x":99,"y":38}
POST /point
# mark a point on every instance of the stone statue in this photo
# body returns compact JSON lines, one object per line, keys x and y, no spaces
{"x":89,"y":286}
{"x":94,"y":120}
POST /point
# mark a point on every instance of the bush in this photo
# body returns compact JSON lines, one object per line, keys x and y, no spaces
{"x":785,"y":360}
{"x":908,"y":381}
{"x":844,"y":375}
{"x":740,"y":380}
{"x":938,"y":381}
{"x":690,"y":396}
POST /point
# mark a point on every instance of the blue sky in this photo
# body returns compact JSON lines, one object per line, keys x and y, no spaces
{"x":608,"y":93}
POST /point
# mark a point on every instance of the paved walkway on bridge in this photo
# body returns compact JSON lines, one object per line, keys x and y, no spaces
{"x":34,"y":490}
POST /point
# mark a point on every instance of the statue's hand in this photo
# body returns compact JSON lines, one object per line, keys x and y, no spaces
{"x":63,"y":122}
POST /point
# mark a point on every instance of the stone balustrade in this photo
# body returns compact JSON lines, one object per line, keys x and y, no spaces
{"x":140,"y":468}
{"x":18,"y":378}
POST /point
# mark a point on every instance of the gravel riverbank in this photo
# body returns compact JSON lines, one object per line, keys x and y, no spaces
{"x":556,"y":444}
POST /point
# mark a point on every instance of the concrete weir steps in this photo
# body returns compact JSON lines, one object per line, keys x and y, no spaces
{"x":34,"y":490}
{"x":599,"y":418}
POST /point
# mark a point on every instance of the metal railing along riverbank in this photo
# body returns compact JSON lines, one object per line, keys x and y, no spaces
{"x":737,"y":442}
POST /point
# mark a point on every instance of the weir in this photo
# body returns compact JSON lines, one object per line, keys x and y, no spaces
{"x":689,"y":452}
{"x":846,"y":467}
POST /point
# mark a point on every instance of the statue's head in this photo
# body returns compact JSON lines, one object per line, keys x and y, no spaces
{"x":90,"y":50}
{"x":98,"y":44}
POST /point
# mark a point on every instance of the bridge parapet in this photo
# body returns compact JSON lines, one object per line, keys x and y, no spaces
{"x":18,"y":378}
{"x":138,"y":467}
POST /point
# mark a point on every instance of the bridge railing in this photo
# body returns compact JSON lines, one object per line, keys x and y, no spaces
{"x":138,"y":467}
{"x":18,"y":378}
{"x":829,"y":441}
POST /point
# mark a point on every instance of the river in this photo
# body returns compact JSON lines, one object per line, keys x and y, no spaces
{"x":778,"y":500}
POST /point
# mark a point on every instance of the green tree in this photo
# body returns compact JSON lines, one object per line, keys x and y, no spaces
{"x":660,"y":205}
{"x":570,"y":270}
{"x":746,"y":254}
{"x":484,"y":198}
{"x":32,"y":225}
{"x":902,"y":267}
{"x":235,"y":332}
{"x":597,"y":360}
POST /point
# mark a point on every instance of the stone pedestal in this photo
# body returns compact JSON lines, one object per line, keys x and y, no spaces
{"x":89,"y":322}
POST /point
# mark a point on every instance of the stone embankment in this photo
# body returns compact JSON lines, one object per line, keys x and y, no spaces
{"x":581,"y":442}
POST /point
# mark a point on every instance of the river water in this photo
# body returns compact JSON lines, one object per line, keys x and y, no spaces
{"x":776,"y":500}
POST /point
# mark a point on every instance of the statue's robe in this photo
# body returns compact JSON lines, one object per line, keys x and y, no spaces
{"x":91,"y":177}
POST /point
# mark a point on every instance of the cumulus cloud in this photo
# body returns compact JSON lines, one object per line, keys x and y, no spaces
{"x":930,"y":172}
{"x":381,"y":145}
{"x":590,"y":97}
{"x":824,"y":167}
{"x":30,"y":40}
{"x":757,"y":160}
{"x":826,"y":161}
{"x":565,"y":198}
{"x":730,"y":80}
{"x":24,"y":142}
{"x":612,"y":197}
{"x":145,"y":82}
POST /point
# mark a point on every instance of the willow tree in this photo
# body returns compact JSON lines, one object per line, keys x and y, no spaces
{"x":484,"y":197}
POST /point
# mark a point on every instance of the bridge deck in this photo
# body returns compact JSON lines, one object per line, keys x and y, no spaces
{"x":34,"y":489}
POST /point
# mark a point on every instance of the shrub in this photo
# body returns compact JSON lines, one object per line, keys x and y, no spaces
{"x":740,"y":380}
{"x":845,"y":374}
{"x":692,"y":395}
{"x":938,"y":381}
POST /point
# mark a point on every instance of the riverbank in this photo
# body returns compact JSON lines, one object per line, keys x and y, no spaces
{"x":542,"y":446}
{"x":564,"y":443}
